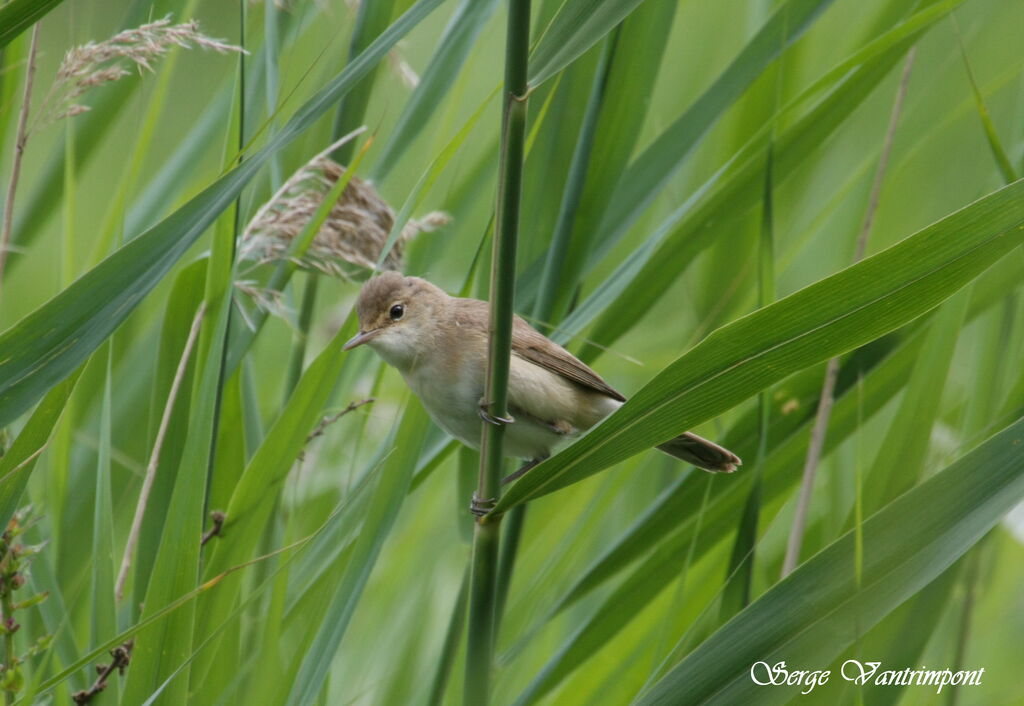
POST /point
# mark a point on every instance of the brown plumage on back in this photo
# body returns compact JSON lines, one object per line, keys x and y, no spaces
{"x":540,"y":350}
{"x":537,"y":348}
{"x":439,"y":344}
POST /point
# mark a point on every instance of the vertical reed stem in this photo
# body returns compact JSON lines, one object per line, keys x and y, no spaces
{"x":19,"y":152}
{"x":484,"y":567}
{"x":824,"y":413}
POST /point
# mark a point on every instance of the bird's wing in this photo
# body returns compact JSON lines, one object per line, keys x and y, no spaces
{"x":531,"y":345}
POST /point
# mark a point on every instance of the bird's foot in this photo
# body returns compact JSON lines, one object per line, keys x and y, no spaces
{"x":481,"y":506}
{"x":526,"y":467}
{"x":490,"y":418}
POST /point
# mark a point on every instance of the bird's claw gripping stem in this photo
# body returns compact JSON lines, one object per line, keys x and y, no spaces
{"x":490,"y":418}
{"x":481,"y":506}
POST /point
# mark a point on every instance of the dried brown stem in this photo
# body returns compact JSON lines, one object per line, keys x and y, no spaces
{"x":217,"y":517}
{"x":327,"y":421}
{"x":818,"y":432}
{"x":154,"y":458}
{"x":19,"y":151}
{"x":121,"y":655}
{"x":883,"y":160}
{"x":331,"y":419}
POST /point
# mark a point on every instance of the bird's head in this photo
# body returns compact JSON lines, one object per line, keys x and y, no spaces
{"x":399,"y":317}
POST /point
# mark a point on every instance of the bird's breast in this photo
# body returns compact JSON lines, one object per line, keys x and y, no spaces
{"x":451,"y":393}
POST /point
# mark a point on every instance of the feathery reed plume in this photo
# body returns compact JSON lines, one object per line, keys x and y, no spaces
{"x":96,"y":64}
{"x":350,"y":241}
{"x":266,"y":299}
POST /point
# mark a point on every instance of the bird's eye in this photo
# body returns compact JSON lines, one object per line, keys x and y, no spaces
{"x":397,"y":311}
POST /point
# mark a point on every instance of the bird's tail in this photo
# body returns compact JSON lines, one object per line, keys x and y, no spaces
{"x":701,"y":453}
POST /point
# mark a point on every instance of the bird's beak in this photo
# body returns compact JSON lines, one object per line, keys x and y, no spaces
{"x":359,"y":339}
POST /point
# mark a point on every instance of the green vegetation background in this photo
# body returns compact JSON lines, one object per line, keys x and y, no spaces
{"x":301,"y":623}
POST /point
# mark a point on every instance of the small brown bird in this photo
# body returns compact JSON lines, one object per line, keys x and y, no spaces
{"x":439,"y":345}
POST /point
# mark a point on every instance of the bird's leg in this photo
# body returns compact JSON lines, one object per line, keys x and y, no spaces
{"x":522,"y":470}
{"x":481,"y":506}
{"x":482,"y":410}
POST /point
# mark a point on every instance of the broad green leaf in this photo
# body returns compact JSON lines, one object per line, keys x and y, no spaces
{"x":104,"y":620}
{"x":672,"y":514}
{"x":995,"y":145}
{"x":620,"y":301}
{"x":372,"y":18}
{"x":671,"y":517}
{"x":832,"y":316}
{"x":652,"y":169}
{"x":17,"y":463}
{"x":453,"y":49}
{"x":552,"y":282}
{"x":18,"y":15}
{"x":901,"y":457}
{"x":163,"y":647}
{"x":810,"y":616}
{"x":901,"y":637}
{"x":100,"y":650}
{"x":634,"y":56}
{"x":49,"y":343}
{"x":185,"y":298}
{"x":254,"y":496}
{"x":578,"y":25}
{"x":381,"y":514}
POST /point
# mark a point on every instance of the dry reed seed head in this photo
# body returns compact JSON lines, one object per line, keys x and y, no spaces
{"x":270,"y":301}
{"x":95,"y":64}
{"x":349,"y":242}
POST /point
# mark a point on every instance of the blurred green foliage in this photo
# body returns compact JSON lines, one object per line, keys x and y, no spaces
{"x":358,"y":543}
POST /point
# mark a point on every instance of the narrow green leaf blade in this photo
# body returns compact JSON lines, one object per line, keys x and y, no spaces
{"x":453,"y":49}
{"x":104,"y":617}
{"x":16,"y":464}
{"x":579,"y":25}
{"x":18,"y":15}
{"x":49,"y":343}
{"x":620,"y":301}
{"x":825,"y":319}
{"x":652,"y":169}
{"x":381,"y":514}
{"x":254,"y":496}
{"x":810,"y":616}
